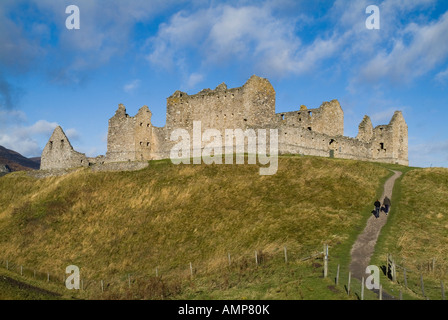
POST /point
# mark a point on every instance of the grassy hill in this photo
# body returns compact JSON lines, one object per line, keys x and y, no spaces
{"x":417,"y":233}
{"x":124,"y":227}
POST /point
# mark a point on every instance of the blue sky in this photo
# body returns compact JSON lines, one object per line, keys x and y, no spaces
{"x":139,"y":52}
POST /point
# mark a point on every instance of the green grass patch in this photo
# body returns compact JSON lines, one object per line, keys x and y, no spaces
{"x":416,"y":233}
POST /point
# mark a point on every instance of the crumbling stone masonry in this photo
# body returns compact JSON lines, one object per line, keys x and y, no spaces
{"x":59,"y":153}
{"x":318,"y":131}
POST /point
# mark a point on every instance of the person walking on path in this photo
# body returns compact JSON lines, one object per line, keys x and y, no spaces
{"x":386,"y":203}
{"x":377,"y":205}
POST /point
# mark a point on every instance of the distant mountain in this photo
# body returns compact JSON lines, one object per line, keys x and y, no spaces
{"x":16,"y":162}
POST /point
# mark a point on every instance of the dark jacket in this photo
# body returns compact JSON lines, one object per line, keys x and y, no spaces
{"x":377,"y":204}
{"x":386,"y":201}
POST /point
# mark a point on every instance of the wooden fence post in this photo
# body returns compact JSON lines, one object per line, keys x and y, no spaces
{"x":387,"y":266}
{"x":191,"y":270}
{"x":394,"y":271}
{"x":348,"y":284}
{"x":286,"y":254}
{"x":443,"y":289}
{"x":256,"y":258}
{"x":422,"y":285}
{"x":337,"y":276}
{"x":381,"y":292}
{"x":325,"y":261}
{"x":102,"y":286}
{"x":362,"y":288}
{"x":405,"y":278}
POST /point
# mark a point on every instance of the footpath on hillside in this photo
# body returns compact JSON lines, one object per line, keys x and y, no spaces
{"x":363,"y":247}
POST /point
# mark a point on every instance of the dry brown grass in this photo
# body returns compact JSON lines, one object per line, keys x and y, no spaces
{"x":111,"y":224}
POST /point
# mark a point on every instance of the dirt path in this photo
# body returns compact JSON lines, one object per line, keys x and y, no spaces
{"x":363,"y":247}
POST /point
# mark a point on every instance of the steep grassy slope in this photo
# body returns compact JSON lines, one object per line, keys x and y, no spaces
{"x":112,"y":224}
{"x":417,"y":232}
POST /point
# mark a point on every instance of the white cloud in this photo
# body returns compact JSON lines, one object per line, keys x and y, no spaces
{"x":408,"y":59}
{"x":383,"y":116}
{"x":23,"y":139}
{"x":41,"y":127}
{"x":442,"y":76}
{"x":131,"y":86}
{"x":193,"y":80}
{"x":224,"y":34}
{"x":72,"y":134}
{"x":429,"y":154}
{"x":105,"y":32}
{"x":27,"y":139}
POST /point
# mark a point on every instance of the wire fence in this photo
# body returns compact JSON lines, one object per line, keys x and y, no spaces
{"x":424,"y":279}
{"x":425,"y":283}
{"x":161,"y":283}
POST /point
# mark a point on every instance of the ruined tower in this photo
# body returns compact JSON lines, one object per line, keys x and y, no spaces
{"x":130,"y":138}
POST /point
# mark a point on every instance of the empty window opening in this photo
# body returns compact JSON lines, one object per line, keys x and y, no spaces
{"x":300,"y":119}
{"x":141,"y":124}
{"x":331,"y":141}
{"x":147,"y":125}
{"x":310,"y":113}
{"x":283,"y":116}
{"x":382,"y":146}
{"x":62,"y":143}
{"x":147,"y":144}
{"x":51,"y":145}
{"x":141,"y":143}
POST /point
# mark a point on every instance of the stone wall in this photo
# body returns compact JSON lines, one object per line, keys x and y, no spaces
{"x":390,"y":142}
{"x":317,"y":131}
{"x":253,"y":104}
{"x":121,"y":137}
{"x":4,"y":169}
{"x":59,"y":153}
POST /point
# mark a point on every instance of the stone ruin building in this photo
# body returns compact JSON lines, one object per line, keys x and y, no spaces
{"x":317,"y":132}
